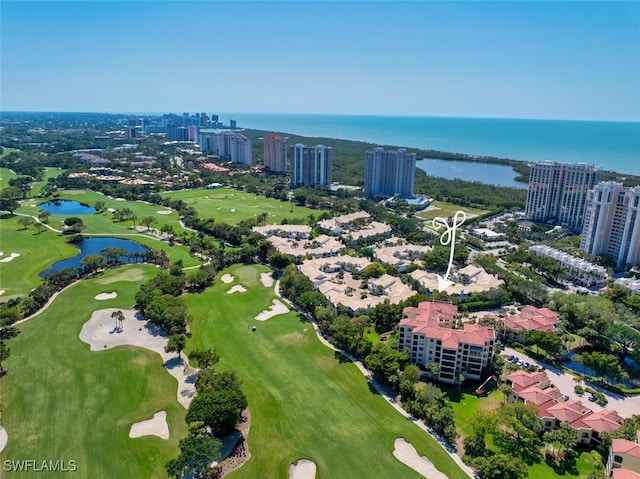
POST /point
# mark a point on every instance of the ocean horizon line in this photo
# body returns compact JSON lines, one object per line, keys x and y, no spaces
{"x":352,"y":115}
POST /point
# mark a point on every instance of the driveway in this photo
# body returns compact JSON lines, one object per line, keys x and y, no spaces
{"x":625,"y":406}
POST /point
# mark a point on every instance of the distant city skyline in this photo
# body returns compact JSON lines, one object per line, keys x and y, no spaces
{"x":560,"y":60}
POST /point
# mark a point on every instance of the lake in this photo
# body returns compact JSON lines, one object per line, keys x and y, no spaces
{"x":499,"y":175}
{"x":90,"y":246}
{"x":67,"y":208}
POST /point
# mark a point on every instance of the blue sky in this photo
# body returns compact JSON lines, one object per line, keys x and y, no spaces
{"x":573,"y":60}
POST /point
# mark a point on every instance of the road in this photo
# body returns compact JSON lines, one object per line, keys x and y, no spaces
{"x":625,"y":406}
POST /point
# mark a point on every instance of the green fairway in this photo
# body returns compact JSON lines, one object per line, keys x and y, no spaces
{"x":37,"y":252}
{"x":446,"y":210}
{"x":62,"y":401}
{"x":305,"y":401}
{"x":227,"y":205}
{"x":5,"y":175}
{"x":48,"y":173}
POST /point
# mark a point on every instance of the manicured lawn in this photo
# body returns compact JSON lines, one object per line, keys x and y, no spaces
{"x":5,"y":175}
{"x":48,"y":173}
{"x":445,"y":210}
{"x":231,"y":206}
{"x":304,"y":401}
{"x":62,"y":401}
{"x":37,"y":251}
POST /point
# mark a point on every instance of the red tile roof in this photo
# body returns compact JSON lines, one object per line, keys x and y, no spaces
{"x":523,"y":379}
{"x":531,"y":319}
{"x":624,"y":474}
{"x":623,"y":446}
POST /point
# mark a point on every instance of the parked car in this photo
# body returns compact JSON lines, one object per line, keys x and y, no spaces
{"x":592,"y":397}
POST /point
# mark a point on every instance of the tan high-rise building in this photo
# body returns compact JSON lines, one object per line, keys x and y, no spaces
{"x":558,"y":192}
{"x":275,"y":153}
{"x":612,"y":223}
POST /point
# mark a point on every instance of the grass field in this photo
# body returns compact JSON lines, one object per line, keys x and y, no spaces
{"x":62,"y":401}
{"x":305,"y":401}
{"x":5,"y":175}
{"x":446,"y":210}
{"x":231,"y":206}
{"x":48,"y":173}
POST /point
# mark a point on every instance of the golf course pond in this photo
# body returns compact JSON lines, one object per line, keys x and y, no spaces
{"x":95,"y":246}
{"x":67,"y":207}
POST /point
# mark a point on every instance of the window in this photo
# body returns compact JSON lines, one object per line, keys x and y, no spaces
{"x":585,"y":435}
{"x":617,"y":459}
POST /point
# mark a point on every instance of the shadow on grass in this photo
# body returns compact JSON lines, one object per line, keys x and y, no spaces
{"x":341,"y":357}
{"x":566,"y":467}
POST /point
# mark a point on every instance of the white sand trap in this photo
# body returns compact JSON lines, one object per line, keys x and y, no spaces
{"x":120,"y":199}
{"x":2,"y":291}
{"x":233,"y":210}
{"x":100,"y":333}
{"x":164,"y":212}
{"x":103,"y":296}
{"x":111,"y":210}
{"x":227,"y":278}
{"x":276,"y":308}
{"x":266,"y":279}
{"x":238,"y":288}
{"x":156,"y":426}
{"x":4,"y":438}
{"x":1,"y":253}
{"x":303,"y":469}
{"x":407,"y":454}
{"x":9,"y":258}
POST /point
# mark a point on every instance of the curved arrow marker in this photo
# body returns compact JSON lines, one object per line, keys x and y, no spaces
{"x":448,"y":237}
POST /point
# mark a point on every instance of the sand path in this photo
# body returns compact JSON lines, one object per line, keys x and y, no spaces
{"x":100,"y":333}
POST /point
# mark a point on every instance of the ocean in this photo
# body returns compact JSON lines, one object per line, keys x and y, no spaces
{"x":613,"y":146}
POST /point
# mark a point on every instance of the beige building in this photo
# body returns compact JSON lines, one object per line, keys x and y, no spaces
{"x":624,"y":459}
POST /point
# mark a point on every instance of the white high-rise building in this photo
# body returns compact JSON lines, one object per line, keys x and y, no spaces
{"x":227,"y":144}
{"x":612,"y":223}
{"x":275,"y":153}
{"x":389,"y":173}
{"x":558,"y":192}
{"x":310,"y":165}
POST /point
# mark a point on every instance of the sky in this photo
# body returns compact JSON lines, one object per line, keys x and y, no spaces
{"x":552,"y":60}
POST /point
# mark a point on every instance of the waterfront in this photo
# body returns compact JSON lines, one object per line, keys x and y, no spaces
{"x":499,"y":175}
{"x":610,"y":145}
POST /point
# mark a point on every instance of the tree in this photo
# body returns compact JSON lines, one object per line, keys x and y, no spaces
{"x":5,"y":352}
{"x":148,"y":221}
{"x":604,"y":365}
{"x":625,"y":336}
{"x":433,"y":369}
{"x":100,"y":206}
{"x":547,"y":340}
{"x":500,"y":466}
{"x":44,"y":216}
{"x":176,"y":343}
{"x":9,"y":204}
{"x":385,"y":362}
{"x":197,"y":452}
{"x":204,"y":358}
{"x":92,"y":262}
{"x":279,"y":260}
{"x":561,"y":443}
{"x":119,"y":317}
{"x":25,"y":221}
{"x":74,"y":224}
{"x":518,"y":426}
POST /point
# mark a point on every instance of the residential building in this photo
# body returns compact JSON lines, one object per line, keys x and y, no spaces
{"x":275,"y":153}
{"x":310,"y":165}
{"x":515,"y":327}
{"x":428,"y":333}
{"x":624,"y":459}
{"x":131,"y":132}
{"x":581,"y":271}
{"x":612,"y":222}
{"x":227,"y":144}
{"x":558,"y":192}
{"x":389,"y":173}
{"x":536,"y":390}
{"x":633,"y":284}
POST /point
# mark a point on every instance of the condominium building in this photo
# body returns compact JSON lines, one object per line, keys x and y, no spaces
{"x":558,"y":192}
{"x":389,"y":173}
{"x":427,"y":333}
{"x":310,"y":165}
{"x":612,"y":223}
{"x":275,"y":153}
{"x":227,"y":144}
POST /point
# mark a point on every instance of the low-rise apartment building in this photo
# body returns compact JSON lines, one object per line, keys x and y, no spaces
{"x":624,"y":459}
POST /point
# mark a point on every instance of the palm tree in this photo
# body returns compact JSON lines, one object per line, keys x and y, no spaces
{"x":119,"y":317}
{"x":506,"y":390}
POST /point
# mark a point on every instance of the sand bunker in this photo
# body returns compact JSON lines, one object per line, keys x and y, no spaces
{"x":164,"y":212}
{"x":111,"y":210}
{"x":303,"y":469}
{"x":156,"y":426}
{"x":9,"y":258}
{"x":407,"y":454}
{"x":4,"y":437}
{"x":266,"y":279}
{"x":276,"y":308}
{"x":103,"y":296}
{"x":238,"y":288}
{"x":233,"y":210}
{"x":2,"y":291}
{"x":100,"y":333}
{"x":227,"y":278}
